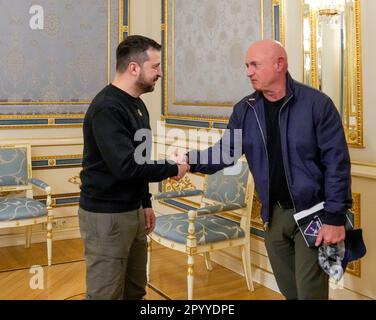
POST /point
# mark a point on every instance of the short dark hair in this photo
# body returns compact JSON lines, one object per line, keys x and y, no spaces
{"x":133,"y":49}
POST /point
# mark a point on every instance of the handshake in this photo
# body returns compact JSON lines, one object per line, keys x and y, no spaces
{"x":182,"y":162}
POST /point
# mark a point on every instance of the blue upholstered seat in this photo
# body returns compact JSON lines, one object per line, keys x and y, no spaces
{"x":208,"y":229}
{"x":21,"y":208}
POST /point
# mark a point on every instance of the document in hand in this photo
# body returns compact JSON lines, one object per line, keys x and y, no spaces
{"x":309,"y":222}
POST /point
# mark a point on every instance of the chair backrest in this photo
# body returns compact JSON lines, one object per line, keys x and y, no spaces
{"x":228,"y":185}
{"x":15,"y":167}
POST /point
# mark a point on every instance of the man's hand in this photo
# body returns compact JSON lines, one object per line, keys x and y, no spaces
{"x":178,"y":158}
{"x":183,"y":169}
{"x":330,"y":234}
{"x":149,"y":220}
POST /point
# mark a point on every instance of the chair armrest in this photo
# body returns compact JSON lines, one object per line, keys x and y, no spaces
{"x":177,"y":194}
{"x":41,"y":185}
{"x":217,"y":208}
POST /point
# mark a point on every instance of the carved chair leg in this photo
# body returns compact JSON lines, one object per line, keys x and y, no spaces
{"x":28,"y":236}
{"x":208,"y":262}
{"x":246,"y":257}
{"x":49,"y":240}
{"x":190,"y":276}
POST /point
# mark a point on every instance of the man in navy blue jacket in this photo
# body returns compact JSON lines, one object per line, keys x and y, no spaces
{"x":294,"y":142}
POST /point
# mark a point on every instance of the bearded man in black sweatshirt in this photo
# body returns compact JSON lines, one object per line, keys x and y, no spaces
{"x":115,"y":211}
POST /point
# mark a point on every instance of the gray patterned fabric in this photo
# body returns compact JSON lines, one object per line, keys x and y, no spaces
{"x":20,"y":208}
{"x":39,"y":183}
{"x":13,"y":164}
{"x":227,"y":188}
{"x":177,"y":194}
{"x":330,"y":259}
{"x":208,"y":229}
{"x":217,"y":208}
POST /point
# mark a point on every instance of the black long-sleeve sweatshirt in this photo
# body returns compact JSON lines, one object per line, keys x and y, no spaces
{"x":111,"y":179}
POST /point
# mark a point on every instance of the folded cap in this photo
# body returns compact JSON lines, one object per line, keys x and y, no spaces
{"x":334,"y":259}
{"x":354,"y":246}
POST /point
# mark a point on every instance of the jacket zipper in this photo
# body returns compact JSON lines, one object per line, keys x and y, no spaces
{"x":284,"y":166}
{"x":266,"y":152}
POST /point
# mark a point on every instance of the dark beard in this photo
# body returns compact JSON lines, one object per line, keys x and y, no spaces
{"x":143,"y":85}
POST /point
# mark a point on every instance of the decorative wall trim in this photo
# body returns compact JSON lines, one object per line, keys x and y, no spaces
{"x":62,"y":200}
{"x":364,"y":164}
{"x":354,"y":268}
{"x":363,"y":170}
{"x":55,"y":162}
{"x":278,"y":15}
{"x":182,"y":122}
{"x":124,"y":19}
{"x":40,"y":121}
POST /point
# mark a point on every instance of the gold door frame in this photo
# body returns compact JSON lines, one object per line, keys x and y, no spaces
{"x":353,"y":91}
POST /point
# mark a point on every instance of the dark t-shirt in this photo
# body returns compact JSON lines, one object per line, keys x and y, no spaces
{"x":278,"y":189}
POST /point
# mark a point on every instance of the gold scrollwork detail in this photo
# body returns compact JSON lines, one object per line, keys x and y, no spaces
{"x":75,"y":180}
{"x":354,"y":267}
{"x":183,"y":184}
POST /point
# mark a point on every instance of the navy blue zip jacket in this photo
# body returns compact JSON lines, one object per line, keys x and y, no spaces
{"x":314,"y":150}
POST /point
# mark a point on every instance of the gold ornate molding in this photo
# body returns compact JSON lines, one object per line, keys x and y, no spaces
{"x":124,"y":28}
{"x":52,"y":161}
{"x":352,"y":95}
{"x":75,"y":180}
{"x":354,"y":267}
{"x":183,"y":184}
{"x":280,"y":4}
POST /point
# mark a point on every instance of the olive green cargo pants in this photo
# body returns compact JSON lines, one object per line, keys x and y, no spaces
{"x":295,"y":266}
{"x":115,"y":253}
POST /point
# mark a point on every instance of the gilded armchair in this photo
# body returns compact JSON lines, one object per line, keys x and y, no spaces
{"x":17,"y":206}
{"x":205,"y":229}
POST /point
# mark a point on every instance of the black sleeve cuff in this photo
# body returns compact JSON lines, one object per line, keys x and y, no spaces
{"x":173,"y":170}
{"x":146,"y":202}
{"x":334,"y":219}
